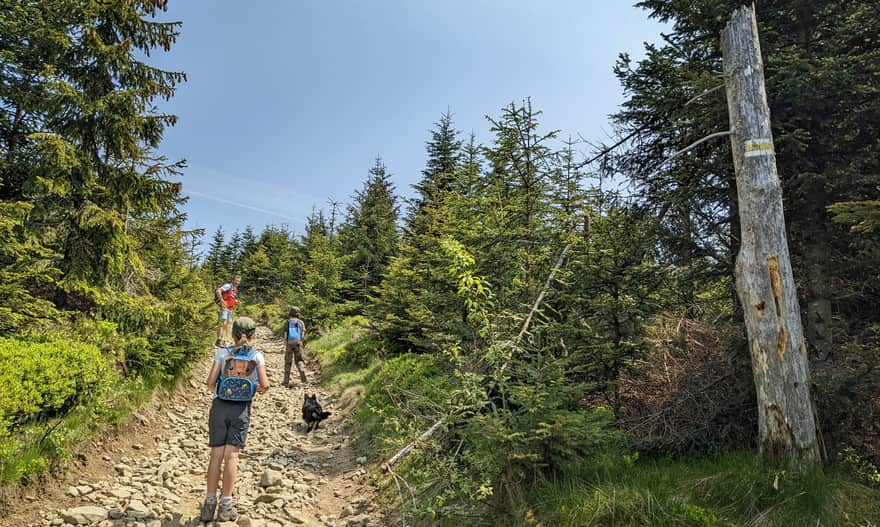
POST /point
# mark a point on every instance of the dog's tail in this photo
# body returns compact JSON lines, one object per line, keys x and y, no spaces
{"x":325,"y":415}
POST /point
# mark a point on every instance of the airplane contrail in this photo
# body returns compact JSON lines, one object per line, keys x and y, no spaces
{"x":241,"y":205}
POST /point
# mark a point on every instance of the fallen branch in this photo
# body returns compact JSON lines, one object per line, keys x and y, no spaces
{"x":528,"y":321}
{"x":405,"y":450}
{"x":397,"y":480}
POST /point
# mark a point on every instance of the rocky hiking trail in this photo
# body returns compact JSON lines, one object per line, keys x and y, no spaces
{"x":153,"y":474}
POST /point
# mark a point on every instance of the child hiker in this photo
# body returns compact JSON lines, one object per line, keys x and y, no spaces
{"x":237,"y":375}
{"x":295,"y":332}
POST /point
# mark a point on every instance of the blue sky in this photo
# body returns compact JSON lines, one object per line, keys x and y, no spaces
{"x":288,"y":103}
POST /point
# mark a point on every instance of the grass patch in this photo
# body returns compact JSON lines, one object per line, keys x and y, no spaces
{"x":349,"y":354}
{"x":402,"y":399}
{"x":734,"y":489}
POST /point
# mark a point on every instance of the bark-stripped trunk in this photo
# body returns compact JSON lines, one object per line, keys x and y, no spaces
{"x":764,"y":281}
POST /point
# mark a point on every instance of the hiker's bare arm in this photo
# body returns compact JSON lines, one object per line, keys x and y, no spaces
{"x":262,"y":379}
{"x":212,"y":377}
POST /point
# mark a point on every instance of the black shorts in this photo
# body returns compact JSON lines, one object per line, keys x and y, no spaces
{"x":228,"y":423}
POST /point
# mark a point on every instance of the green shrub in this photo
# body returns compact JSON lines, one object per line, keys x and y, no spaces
{"x":364,"y":350}
{"x":480,"y":459}
{"x":271,"y":315}
{"x":187,"y":327}
{"x":52,"y":390}
{"x":100,"y":333}
{"x":42,"y":379}
{"x":159,"y":337}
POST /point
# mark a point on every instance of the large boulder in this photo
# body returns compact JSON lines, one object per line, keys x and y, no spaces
{"x":84,"y":515}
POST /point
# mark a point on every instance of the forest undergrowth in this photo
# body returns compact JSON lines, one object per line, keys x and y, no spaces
{"x":615,"y":484}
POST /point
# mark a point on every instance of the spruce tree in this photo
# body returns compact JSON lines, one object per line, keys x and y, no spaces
{"x":516,"y":248}
{"x":319,"y":293}
{"x":280,"y":248}
{"x":416,"y":306}
{"x":89,"y":205}
{"x":216,"y":261}
{"x":256,"y":276}
{"x":467,"y":178}
{"x":603,"y":297}
{"x":568,"y":198}
{"x":80,"y":130}
{"x":248,"y":241}
{"x":369,"y":235}
{"x":232,"y":252}
{"x":26,"y":266}
{"x":444,"y":157}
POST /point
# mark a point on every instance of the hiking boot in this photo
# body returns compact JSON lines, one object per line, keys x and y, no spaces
{"x":208,"y":508}
{"x":227,"y":512}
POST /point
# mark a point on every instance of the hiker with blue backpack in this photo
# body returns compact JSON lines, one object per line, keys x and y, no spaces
{"x":237,"y":375}
{"x":295,"y":333}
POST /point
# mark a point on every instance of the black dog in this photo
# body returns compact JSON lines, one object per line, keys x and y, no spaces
{"x":313,"y":414}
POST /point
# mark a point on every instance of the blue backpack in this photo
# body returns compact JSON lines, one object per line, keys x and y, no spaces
{"x":294,"y":330}
{"x":238,"y":376}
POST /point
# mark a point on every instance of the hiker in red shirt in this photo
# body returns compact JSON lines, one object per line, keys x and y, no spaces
{"x":225,"y":296}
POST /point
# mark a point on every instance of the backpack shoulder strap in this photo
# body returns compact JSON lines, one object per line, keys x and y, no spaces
{"x":253,"y":356}
{"x":230,"y":352}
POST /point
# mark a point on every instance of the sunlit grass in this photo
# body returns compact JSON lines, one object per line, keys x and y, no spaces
{"x":734,"y":489}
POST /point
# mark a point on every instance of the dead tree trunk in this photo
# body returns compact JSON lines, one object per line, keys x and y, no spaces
{"x":764,"y":281}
